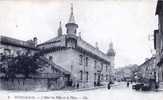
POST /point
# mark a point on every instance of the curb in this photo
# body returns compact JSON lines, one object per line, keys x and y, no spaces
{"x":85,"y":89}
{"x":93,"y":88}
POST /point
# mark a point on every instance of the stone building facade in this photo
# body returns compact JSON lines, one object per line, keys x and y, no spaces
{"x":158,"y":41}
{"x":147,"y":70}
{"x":50,"y":75}
{"x":89,"y":65}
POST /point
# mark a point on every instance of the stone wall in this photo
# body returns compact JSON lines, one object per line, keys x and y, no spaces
{"x":31,"y":84}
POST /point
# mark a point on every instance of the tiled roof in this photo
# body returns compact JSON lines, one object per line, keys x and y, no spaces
{"x":80,"y":44}
{"x":16,"y":42}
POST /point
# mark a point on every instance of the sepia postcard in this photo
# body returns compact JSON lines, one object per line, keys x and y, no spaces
{"x":81,"y":49}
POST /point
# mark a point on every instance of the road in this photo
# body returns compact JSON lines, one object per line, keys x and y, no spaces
{"x":118,"y":92}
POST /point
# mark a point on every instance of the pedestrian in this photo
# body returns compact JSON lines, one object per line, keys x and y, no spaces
{"x":108,"y":86}
{"x":128,"y":84}
{"x":77,"y":85}
{"x":94,"y":84}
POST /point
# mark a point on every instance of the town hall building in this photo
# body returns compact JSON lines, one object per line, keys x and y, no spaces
{"x":88,"y":65}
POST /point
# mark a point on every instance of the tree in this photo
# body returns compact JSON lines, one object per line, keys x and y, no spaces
{"x":27,"y":65}
{"x":21,"y":64}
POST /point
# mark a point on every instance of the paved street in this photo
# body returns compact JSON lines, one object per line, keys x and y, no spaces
{"x":118,"y":92}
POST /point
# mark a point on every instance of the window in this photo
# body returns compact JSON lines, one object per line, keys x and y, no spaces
{"x":106,"y":68}
{"x":86,"y":76}
{"x":72,"y":68}
{"x":18,"y":52}
{"x":106,"y":77}
{"x":146,"y":68}
{"x":95,"y":64}
{"x":162,"y":75}
{"x":81,"y":75}
{"x":7,"y":51}
{"x":50,"y":58}
{"x":67,"y":31}
{"x":80,"y":59}
{"x":86,"y":61}
{"x":95,"y":76}
{"x":161,"y":45}
{"x":102,"y":77}
{"x":101,"y":66}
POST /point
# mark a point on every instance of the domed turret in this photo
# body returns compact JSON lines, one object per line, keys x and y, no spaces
{"x":111,"y":51}
{"x":71,"y":25}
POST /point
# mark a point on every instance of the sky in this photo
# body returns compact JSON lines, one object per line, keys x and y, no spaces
{"x":129,"y":24}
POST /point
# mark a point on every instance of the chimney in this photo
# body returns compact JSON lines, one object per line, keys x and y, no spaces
{"x":35,"y":41}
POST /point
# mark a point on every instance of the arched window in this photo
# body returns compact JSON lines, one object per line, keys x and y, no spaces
{"x":101,"y":66}
{"x":80,"y":59}
{"x":95,"y":76}
{"x":106,"y":77}
{"x":95,"y":64}
{"x":86,"y":61}
{"x":87,"y":77}
{"x":106,"y":68}
{"x":102,"y":77}
{"x":81,"y":75}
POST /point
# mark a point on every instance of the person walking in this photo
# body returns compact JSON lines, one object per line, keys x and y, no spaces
{"x":128,"y":84}
{"x":77,"y":85}
{"x":108,"y":86}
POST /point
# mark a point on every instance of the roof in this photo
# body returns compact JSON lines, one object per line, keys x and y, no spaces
{"x":72,"y":18}
{"x":58,"y":42}
{"x":159,"y":7}
{"x":54,"y":42}
{"x":111,"y":52}
{"x":88,"y":47}
{"x":147,"y":61}
{"x":16,"y":42}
